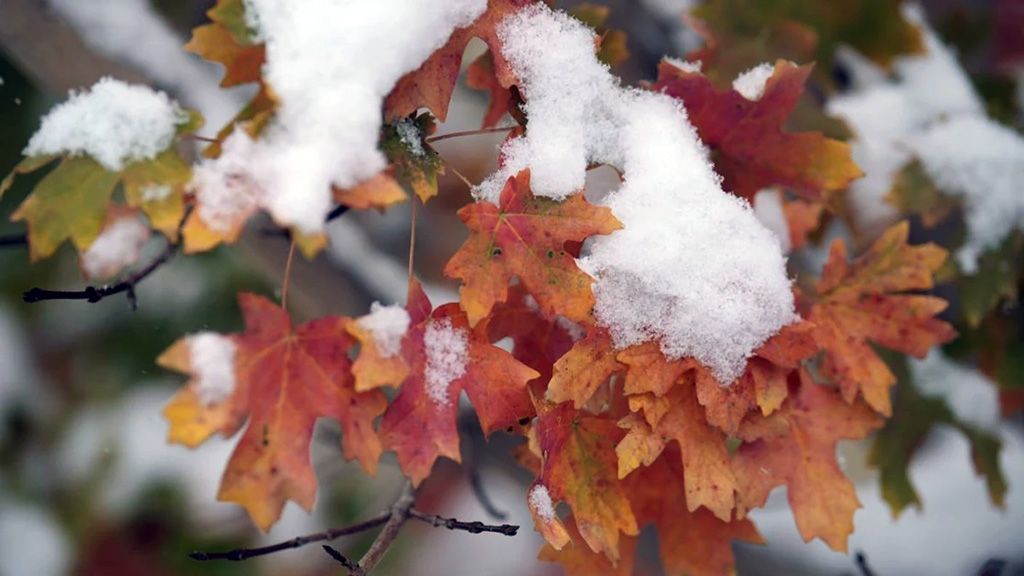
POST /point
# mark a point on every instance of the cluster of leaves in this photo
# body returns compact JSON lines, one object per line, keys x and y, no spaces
{"x":614,"y":434}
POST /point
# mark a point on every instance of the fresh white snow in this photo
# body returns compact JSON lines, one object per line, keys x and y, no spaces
{"x":933,"y":114}
{"x":447,"y":350}
{"x":971,"y":396}
{"x":540,"y":502}
{"x":118,"y":246}
{"x":750,"y":84}
{"x":331,"y":64}
{"x":692,"y":267}
{"x":768,"y":210}
{"x":113,"y":122}
{"x":388,"y":325}
{"x":156,"y":192}
{"x":212,"y":357}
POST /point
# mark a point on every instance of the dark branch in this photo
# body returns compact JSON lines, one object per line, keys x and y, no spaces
{"x":353,"y":568}
{"x":297,"y":542}
{"x":13,"y":241}
{"x":862,"y":564}
{"x":471,"y":527}
{"x":335,"y":213}
{"x":93,"y":294}
{"x":399,"y":514}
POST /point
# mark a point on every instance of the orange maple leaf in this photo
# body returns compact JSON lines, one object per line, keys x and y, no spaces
{"x":226,"y":40}
{"x":796,"y":446}
{"x":751,"y":151}
{"x":537,"y":340}
{"x":578,"y":467}
{"x":526,"y":236}
{"x":860,"y":303}
{"x":445,"y":356}
{"x":285,"y":380}
{"x":583,"y":369}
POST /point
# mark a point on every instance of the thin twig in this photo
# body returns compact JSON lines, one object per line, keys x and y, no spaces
{"x":412,"y":237}
{"x":200,"y":138}
{"x":399,"y":514}
{"x":353,"y":568}
{"x":287,"y":276}
{"x":297,"y":542}
{"x":14,"y":241}
{"x":440,"y":137}
{"x":458,"y":174}
{"x":862,"y":564}
{"x":471,"y":527}
{"x":93,"y":294}
{"x":335,"y":213}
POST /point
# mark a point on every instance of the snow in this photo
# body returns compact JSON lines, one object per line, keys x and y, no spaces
{"x":447,"y":351}
{"x":750,"y":84}
{"x":540,"y":502}
{"x":156,"y":192}
{"x":973,"y":398}
{"x":117,"y":247}
{"x":982,"y":162}
{"x":410,"y":134}
{"x":685,"y":65}
{"x":933,"y":114}
{"x":212,"y":358}
{"x":132,"y":32}
{"x":112,"y":122}
{"x":32,"y":542}
{"x":768,"y":210}
{"x":331,"y":64}
{"x":225,"y":187}
{"x":692,"y":267}
{"x":388,"y":325}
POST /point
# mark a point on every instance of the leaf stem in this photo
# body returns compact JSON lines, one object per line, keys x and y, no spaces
{"x":449,"y":135}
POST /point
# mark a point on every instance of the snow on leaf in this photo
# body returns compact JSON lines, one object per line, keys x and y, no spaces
{"x":117,"y":246}
{"x":285,"y":379}
{"x":445,"y":356}
{"x":578,"y":468}
{"x":864,"y":302}
{"x":751,"y":150}
{"x":796,"y":446}
{"x":526,"y":236}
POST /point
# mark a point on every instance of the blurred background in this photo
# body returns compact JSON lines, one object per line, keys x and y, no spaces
{"x":88,"y":485}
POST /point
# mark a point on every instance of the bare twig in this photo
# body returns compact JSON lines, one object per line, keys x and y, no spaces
{"x":353,"y":568}
{"x":14,"y":240}
{"x":399,"y":514}
{"x":297,"y":542}
{"x":93,"y":294}
{"x":440,"y":137}
{"x":471,"y":527}
{"x":862,"y":564}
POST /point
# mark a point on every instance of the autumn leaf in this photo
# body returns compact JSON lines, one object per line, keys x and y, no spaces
{"x":227,"y":40}
{"x":537,"y":341}
{"x":526,"y":236}
{"x":914,"y":417}
{"x":285,"y":379}
{"x":863,"y":303}
{"x":578,"y":468}
{"x":692,"y":543}
{"x":611,"y":43}
{"x":749,"y":147}
{"x":445,"y":356}
{"x":431,"y":85}
{"x":412,"y":161}
{"x":579,"y":560}
{"x":584,"y":368}
{"x":796,"y":447}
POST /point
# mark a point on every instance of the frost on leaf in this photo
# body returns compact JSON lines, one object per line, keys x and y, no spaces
{"x":864,"y":302}
{"x":284,"y":379}
{"x":445,"y":357}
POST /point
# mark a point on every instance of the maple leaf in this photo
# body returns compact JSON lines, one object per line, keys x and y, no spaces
{"x":537,"y":341}
{"x":578,"y":468}
{"x":796,"y":446}
{"x":227,"y":40}
{"x":914,"y":417}
{"x":526,"y":236}
{"x":584,"y":368}
{"x":611,"y":44}
{"x":73,"y":200}
{"x":750,"y":150}
{"x":445,"y":356}
{"x":503,"y":100}
{"x":691,"y":542}
{"x":861,"y":303}
{"x":285,"y":379}
{"x":579,"y":560}
{"x":431,"y":85}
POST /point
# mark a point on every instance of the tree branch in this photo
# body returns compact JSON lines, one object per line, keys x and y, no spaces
{"x":352,"y":567}
{"x":13,"y":240}
{"x":399,"y":514}
{"x":93,"y":294}
{"x":471,"y":527}
{"x":240,"y":554}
